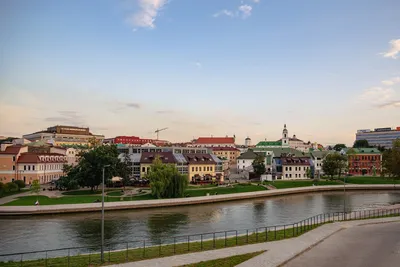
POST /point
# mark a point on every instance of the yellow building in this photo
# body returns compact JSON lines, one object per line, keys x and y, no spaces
{"x":229,"y":153}
{"x":147,"y":159}
{"x":200,"y":166}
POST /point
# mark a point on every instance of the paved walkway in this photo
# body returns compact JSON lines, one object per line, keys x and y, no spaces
{"x":277,"y":253}
{"x":140,"y":204}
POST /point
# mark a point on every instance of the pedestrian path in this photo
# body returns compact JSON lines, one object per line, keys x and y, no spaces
{"x":277,"y":252}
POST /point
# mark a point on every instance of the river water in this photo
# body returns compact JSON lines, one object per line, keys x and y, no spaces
{"x":20,"y":234}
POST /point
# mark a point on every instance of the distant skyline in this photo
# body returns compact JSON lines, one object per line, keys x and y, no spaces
{"x":201,"y":67}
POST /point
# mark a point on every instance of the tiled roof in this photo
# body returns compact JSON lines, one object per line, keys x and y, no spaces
{"x":319,"y":154}
{"x":250,"y":154}
{"x":215,"y":140}
{"x":366,"y":151}
{"x":12,"y":150}
{"x":199,"y":158}
{"x":228,"y":148}
{"x":295,"y":161}
{"x":281,"y":150}
{"x":165,"y":157}
{"x":42,"y":157}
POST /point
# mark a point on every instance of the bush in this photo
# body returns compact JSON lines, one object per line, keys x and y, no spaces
{"x":20,"y":184}
{"x":9,"y":187}
{"x":1,"y":186}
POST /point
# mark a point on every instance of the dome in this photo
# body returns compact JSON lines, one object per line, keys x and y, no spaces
{"x":248,"y":138}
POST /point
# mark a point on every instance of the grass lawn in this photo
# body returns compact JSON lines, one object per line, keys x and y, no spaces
{"x":226,"y":262}
{"x":369,"y":180}
{"x":202,"y":186}
{"x":87,"y":192}
{"x":239,"y":188}
{"x":293,"y":183}
{"x":6,"y":194}
{"x":115,"y":193}
{"x":181,"y":247}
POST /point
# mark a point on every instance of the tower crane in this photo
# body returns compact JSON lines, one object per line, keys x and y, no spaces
{"x":159,"y":130}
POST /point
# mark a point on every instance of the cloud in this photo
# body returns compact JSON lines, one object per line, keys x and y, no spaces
{"x":146,"y":16}
{"x":391,"y":81}
{"x":390,"y":104}
{"x":245,"y":11}
{"x":378,"y":95}
{"x":224,"y":12}
{"x":67,"y":117}
{"x":394,"y":49}
{"x":133,"y":105}
{"x":164,"y":111}
{"x":198,"y":65}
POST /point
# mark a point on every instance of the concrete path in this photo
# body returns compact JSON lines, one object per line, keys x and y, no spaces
{"x":140,"y":204}
{"x":368,"y":245}
{"x":277,"y":253}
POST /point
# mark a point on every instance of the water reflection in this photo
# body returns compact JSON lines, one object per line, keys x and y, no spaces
{"x":75,"y":230}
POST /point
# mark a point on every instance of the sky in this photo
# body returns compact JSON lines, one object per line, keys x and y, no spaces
{"x":201,"y":67}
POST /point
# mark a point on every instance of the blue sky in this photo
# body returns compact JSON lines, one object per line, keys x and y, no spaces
{"x":201,"y":67}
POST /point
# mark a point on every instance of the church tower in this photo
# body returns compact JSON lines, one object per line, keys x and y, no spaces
{"x":285,"y":137}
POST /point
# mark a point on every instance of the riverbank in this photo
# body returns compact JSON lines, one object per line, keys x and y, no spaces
{"x":144,"y":204}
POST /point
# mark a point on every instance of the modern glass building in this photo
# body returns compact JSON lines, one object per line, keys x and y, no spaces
{"x":379,"y":136}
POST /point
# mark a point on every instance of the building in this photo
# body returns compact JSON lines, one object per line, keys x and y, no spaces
{"x":286,"y":141}
{"x":175,"y":150}
{"x":147,"y":159}
{"x":65,"y":136}
{"x":245,"y":161}
{"x":200,"y":166}
{"x":295,"y":167}
{"x":317,"y":158}
{"x":247,"y":141}
{"x":135,"y":141}
{"x":364,"y":161}
{"x":214,"y":142}
{"x":229,"y":153}
{"x":16,"y":163}
{"x":379,"y":136}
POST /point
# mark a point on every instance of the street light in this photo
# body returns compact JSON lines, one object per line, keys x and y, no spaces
{"x":344,"y":197}
{"x":102,"y":216}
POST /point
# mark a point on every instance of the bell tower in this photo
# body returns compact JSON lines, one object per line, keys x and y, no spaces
{"x":285,"y":137}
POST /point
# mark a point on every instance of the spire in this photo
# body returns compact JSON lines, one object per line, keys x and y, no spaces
{"x":285,"y":126}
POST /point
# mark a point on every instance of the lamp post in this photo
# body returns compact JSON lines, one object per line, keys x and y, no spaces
{"x":102,"y":216}
{"x":344,"y":197}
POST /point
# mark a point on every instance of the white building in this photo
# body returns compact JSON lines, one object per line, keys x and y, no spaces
{"x":245,"y":161}
{"x":295,"y":167}
{"x":247,"y":142}
{"x":317,"y":158}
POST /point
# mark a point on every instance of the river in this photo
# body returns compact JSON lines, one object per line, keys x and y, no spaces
{"x":20,"y":234}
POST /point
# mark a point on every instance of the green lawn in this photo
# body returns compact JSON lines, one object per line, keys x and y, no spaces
{"x":115,"y":193}
{"x":6,"y":194}
{"x":239,"y":188}
{"x":369,"y":180}
{"x":301,"y":183}
{"x":87,"y":192}
{"x":226,"y":262}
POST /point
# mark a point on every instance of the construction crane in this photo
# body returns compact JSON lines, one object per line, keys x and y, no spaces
{"x":159,"y":130}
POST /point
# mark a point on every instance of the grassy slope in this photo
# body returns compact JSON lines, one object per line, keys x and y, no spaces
{"x":369,"y":180}
{"x":226,"y":262}
{"x":6,"y":194}
{"x":225,"y":190}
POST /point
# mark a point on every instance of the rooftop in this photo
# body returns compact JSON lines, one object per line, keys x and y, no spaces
{"x":215,"y":140}
{"x":12,"y":150}
{"x":199,"y":158}
{"x":295,"y":161}
{"x":225,"y":149}
{"x":42,"y":157}
{"x":269,"y":143}
{"x":165,"y":157}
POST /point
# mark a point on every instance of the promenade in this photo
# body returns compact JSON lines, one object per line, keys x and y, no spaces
{"x":143,"y":204}
{"x":277,"y":253}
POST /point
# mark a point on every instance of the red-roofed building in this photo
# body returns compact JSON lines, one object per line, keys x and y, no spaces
{"x":214,"y":142}
{"x":16,"y":163}
{"x":134,"y":141}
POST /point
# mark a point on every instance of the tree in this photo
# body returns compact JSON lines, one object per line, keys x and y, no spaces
{"x":259,"y":165}
{"x":35,"y":187}
{"x":391,"y":160}
{"x":67,"y":183}
{"x":124,"y":169}
{"x":10,"y":186}
{"x":309,"y":173}
{"x":89,"y":170}
{"x":360,"y":143}
{"x":339,"y":147}
{"x":20,"y":184}
{"x":166,"y":181}
{"x":334,"y":164}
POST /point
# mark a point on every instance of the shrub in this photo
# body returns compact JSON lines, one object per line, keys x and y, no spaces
{"x":9,"y":187}
{"x":20,"y":184}
{"x":1,"y":186}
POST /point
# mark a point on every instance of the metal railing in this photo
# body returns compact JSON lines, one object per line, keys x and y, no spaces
{"x":135,"y":250}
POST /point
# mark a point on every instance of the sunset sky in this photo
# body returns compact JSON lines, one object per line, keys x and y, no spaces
{"x":201,"y":67}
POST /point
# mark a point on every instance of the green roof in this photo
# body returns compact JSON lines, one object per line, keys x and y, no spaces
{"x":249,"y":154}
{"x":269,"y":143}
{"x":319,"y":154}
{"x":366,"y":151}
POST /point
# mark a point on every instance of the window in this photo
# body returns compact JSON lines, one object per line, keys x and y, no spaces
{"x":143,"y":169}
{"x":24,"y":167}
{"x":243,"y":161}
{"x":286,"y":175}
{"x":13,"y":168}
{"x":197,"y":169}
{"x":286,"y":168}
{"x":295,"y":169}
{"x":192,"y":169}
{"x":304,"y":168}
{"x":33,"y":167}
{"x":290,"y":168}
{"x":208,"y":168}
{"x":13,"y":158}
{"x":29,"y":167}
{"x":296,"y":175}
{"x":290,"y":175}
{"x":211,"y":168}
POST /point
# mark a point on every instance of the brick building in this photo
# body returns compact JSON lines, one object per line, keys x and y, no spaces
{"x":364,"y":161}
